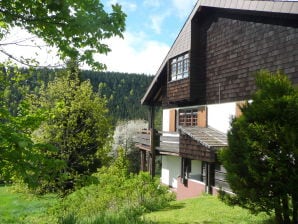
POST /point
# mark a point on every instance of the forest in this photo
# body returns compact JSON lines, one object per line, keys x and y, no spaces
{"x":123,"y":91}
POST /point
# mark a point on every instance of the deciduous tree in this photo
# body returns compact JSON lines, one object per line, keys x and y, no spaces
{"x":21,"y":158}
{"x":77,"y":124}
{"x":77,"y":28}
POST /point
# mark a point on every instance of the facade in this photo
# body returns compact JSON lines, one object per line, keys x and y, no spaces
{"x":207,"y":74}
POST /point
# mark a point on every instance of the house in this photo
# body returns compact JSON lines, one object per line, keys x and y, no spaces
{"x":208,"y":72}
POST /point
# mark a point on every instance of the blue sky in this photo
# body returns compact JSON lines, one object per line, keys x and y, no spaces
{"x":161,"y":20}
{"x":151,"y":28}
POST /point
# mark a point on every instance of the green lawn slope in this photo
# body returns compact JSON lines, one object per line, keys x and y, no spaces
{"x":18,"y":207}
{"x":205,"y":210}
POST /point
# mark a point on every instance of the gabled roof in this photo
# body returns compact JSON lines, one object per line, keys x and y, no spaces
{"x":182,"y":43}
{"x":208,"y":137}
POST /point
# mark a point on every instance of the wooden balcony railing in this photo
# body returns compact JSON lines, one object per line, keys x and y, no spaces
{"x":163,"y":142}
{"x":143,"y":140}
{"x":168,"y":143}
{"x":220,"y":180}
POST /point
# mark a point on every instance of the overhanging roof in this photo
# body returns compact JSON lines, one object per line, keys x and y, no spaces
{"x":208,"y":137}
{"x":183,"y":41}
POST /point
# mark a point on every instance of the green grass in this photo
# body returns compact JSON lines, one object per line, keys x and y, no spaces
{"x":205,"y":210}
{"x":24,"y":208}
{"x":18,"y":207}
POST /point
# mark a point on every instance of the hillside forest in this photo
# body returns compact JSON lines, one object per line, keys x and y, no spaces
{"x":123,"y":91}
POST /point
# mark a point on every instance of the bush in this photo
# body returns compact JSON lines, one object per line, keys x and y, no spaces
{"x":117,"y":194}
{"x":107,"y":218}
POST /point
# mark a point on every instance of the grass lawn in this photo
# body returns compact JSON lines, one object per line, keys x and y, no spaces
{"x":205,"y":210}
{"x":17,"y":207}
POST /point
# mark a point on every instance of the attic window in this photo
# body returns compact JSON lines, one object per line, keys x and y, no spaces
{"x":180,"y":67}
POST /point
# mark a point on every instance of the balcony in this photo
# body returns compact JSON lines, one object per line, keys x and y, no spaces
{"x":166,"y":143}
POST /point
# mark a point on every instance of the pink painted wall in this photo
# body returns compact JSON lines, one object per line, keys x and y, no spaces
{"x":215,"y":190}
{"x":193,"y":189}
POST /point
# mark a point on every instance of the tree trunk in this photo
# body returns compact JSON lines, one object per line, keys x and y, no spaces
{"x":278,"y":212}
{"x":285,"y":210}
{"x":295,"y":209}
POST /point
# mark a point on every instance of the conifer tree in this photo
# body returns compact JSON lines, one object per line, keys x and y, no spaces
{"x":262,"y":154}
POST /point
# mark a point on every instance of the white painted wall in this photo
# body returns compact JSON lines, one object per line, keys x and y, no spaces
{"x":170,"y":170}
{"x":220,"y":115}
{"x":166,"y":120}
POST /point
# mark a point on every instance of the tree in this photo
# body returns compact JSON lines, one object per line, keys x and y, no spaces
{"x":262,"y":153}
{"x":20,"y":158}
{"x":77,"y":125}
{"x":124,"y":135}
{"x":77,"y":28}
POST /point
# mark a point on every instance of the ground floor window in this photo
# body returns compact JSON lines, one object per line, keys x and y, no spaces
{"x":188,"y":117}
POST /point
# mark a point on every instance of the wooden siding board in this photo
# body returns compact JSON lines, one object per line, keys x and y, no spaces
{"x":178,"y":90}
{"x":233,"y":55}
{"x":190,"y":148}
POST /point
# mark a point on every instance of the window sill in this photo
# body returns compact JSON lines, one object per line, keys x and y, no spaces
{"x":172,"y":81}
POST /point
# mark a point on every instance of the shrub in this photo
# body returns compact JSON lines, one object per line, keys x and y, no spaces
{"x":117,"y":192}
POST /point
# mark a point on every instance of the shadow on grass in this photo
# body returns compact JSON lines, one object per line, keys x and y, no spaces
{"x":173,"y":207}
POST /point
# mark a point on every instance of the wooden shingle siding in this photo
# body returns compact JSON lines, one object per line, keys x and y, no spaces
{"x":178,"y":90}
{"x":191,"y":149}
{"x":231,"y":48}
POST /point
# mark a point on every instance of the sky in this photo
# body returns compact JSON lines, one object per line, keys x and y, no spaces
{"x":151,"y":28}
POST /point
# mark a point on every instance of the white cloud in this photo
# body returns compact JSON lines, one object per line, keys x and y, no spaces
{"x":183,"y":7}
{"x":146,"y":57}
{"x":152,"y":3}
{"x":156,"y":22}
{"x":21,"y":44}
{"x":134,"y":54}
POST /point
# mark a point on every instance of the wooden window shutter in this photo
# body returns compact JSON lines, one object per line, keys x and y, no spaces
{"x":172,"y":122}
{"x":202,"y":117}
{"x":238,"y":105}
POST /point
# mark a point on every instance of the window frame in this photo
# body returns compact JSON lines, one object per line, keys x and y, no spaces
{"x":188,"y":117}
{"x":179,"y":67}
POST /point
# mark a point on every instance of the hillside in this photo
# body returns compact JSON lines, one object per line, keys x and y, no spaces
{"x":122,"y":90}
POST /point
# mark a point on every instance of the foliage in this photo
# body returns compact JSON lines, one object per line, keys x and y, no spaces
{"x":261,"y":158}
{"x":126,"y":217}
{"x":19,"y":208}
{"x":77,"y":124}
{"x":117,"y":192}
{"x":20,"y":157}
{"x":77,"y":28}
{"x":205,"y":209}
{"x":124,"y":135}
{"x":123,"y":91}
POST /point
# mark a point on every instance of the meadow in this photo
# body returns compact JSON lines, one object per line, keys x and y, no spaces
{"x":205,"y":210}
{"x":25,"y":208}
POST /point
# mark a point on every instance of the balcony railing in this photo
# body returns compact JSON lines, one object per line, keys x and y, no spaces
{"x":163,"y":142}
{"x":168,"y":143}
{"x":220,"y":180}
{"x":143,"y":140}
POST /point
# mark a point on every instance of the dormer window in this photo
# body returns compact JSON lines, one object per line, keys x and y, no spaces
{"x":180,"y":67}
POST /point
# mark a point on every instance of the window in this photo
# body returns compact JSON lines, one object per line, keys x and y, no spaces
{"x":188,"y":117}
{"x":180,"y":67}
